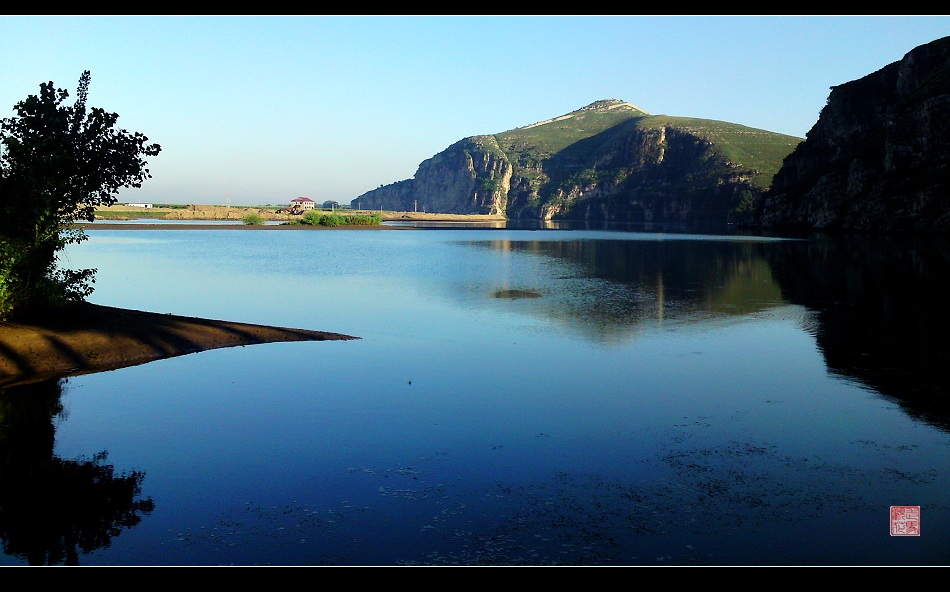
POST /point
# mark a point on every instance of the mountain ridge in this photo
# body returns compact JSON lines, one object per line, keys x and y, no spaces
{"x":608,"y":160}
{"x":605,"y":104}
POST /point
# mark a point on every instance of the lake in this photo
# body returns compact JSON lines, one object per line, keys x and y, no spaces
{"x":517,"y":397}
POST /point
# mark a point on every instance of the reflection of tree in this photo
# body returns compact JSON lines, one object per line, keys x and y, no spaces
{"x":52,"y":509}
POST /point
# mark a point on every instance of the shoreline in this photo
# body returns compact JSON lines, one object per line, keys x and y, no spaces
{"x":197,"y":225}
{"x":85,"y":338}
{"x":120,"y":214}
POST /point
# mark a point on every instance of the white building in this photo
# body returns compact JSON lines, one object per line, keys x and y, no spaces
{"x":303,"y":203}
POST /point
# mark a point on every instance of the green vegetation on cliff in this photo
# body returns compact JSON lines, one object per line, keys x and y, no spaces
{"x":540,"y":141}
{"x":758,"y":150}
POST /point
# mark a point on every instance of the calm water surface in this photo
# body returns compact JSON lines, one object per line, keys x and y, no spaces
{"x":516,"y":397}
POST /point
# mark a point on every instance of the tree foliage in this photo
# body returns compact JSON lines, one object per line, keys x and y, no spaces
{"x":58,"y":162}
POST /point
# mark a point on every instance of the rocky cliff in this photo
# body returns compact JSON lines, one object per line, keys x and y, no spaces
{"x":878,"y":159}
{"x":469,"y":177}
{"x":607,"y":161}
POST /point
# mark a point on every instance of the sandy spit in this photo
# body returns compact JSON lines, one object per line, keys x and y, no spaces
{"x":87,"y":338}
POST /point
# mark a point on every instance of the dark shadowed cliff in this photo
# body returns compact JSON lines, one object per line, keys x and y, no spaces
{"x":607,"y":161}
{"x":878,"y":159}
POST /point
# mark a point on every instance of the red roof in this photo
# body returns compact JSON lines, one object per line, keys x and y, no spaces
{"x":301,"y":199}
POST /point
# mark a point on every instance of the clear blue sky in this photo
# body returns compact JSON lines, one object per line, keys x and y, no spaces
{"x":261,"y":109}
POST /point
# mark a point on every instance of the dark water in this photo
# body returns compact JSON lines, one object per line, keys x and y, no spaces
{"x":518,"y":397}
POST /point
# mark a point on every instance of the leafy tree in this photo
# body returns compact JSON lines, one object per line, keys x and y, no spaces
{"x":57,"y":164}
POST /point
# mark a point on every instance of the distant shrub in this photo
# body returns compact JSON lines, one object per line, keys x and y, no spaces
{"x":332,"y":220}
{"x":374,"y":219}
{"x":252,"y":220}
{"x":315,"y":218}
{"x":311,"y":218}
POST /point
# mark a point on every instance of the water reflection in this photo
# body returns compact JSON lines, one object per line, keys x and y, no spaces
{"x":876,"y":306}
{"x":53,"y":509}
{"x":612,"y":290}
{"x":529,"y":397}
{"x":882,"y":314}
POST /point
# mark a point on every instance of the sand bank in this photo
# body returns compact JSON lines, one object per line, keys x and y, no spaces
{"x":90,"y":338}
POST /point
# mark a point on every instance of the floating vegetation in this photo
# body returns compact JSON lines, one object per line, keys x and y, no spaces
{"x":704,"y":504}
{"x":516,"y":294}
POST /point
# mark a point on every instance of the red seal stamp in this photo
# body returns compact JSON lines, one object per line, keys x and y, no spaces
{"x":905,"y":520}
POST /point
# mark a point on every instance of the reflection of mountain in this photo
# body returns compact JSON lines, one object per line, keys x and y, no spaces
{"x":610,"y":290}
{"x":882,"y":314}
{"x":52,"y":509}
{"x":878,"y":304}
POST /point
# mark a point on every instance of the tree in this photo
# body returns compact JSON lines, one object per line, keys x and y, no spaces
{"x":57,"y":164}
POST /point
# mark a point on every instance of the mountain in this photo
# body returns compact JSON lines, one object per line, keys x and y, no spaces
{"x":878,"y":159}
{"x":609,"y":160}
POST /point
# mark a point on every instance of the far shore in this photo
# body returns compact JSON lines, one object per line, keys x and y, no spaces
{"x":123,"y":214}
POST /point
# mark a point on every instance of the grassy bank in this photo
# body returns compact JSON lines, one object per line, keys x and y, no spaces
{"x":318,"y":218}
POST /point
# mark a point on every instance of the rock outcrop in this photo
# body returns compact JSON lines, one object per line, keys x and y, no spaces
{"x":469,"y":177}
{"x":878,"y":159}
{"x":607,"y":161}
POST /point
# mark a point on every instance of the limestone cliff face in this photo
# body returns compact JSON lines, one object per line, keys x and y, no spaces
{"x":471,"y":176}
{"x":607,"y":161}
{"x":878,"y":159}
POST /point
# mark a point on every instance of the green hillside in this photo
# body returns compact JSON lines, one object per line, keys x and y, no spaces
{"x":541,"y":140}
{"x":609,"y":160}
{"x":758,"y":150}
